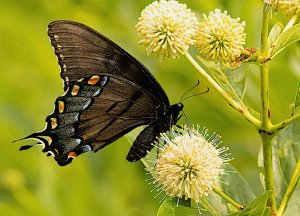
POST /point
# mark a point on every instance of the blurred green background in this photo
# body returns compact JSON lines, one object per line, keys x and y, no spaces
{"x":105,"y":183}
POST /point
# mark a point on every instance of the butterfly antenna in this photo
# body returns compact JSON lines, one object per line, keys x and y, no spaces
{"x":181,"y":99}
{"x":207,"y":90}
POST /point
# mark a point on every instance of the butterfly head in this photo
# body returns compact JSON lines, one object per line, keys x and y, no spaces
{"x":174,"y":111}
{"x":179,"y":106}
{"x":175,"y":108}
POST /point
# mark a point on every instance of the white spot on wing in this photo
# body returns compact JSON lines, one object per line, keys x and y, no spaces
{"x":64,"y":68}
{"x":61,"y":106}
{"x":47,"y":138}
{"x":86,"y":148}
{"x":96,"y":93}
{"x":51,"y":153}
{"x":53,"y":123}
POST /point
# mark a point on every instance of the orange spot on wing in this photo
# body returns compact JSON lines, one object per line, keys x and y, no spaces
{"x":72,"y":155}
{"x":75,"y":90}
{"x":53,"y":123}
{"x":61,"y":106}
{"x":94,"y":80}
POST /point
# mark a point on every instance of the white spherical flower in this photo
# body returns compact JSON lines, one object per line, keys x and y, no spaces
{"x":188,"y":164}
{"x":220,"y":38}
{"x":167,"y":28}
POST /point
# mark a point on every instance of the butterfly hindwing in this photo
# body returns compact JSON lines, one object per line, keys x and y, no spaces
{"x":93,"y":116}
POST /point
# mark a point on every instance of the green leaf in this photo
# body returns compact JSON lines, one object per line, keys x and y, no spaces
{"x":257,"y":207}
{"x":293,"y":207}
{"x":267,"y":211}
{"x":237,"y":79}
{"x":297,"y":100}
{"x":285,"y":39}
{"x":275,"y":33}
{"x":286,"y":153}
{"x":167,"y":208}
{"x":233,"y":81}
{"x":235,"y":186}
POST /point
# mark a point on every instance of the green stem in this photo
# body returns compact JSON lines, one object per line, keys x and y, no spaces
{"x":247,"y":115}
{"x":231,"y":201}
{"x":266,"y":124}
{"x":268,"y":168}
{"x":264,"y":73}
{"x":283,"y":124}
{"x":290,"y":189}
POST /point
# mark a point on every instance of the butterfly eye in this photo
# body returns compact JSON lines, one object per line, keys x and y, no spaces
{"x":180,"y":106}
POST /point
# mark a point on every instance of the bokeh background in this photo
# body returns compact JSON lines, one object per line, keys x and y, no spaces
{"x":105,"y":183}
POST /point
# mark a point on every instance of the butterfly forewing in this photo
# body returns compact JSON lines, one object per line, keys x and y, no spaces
{"x":82,"y":51}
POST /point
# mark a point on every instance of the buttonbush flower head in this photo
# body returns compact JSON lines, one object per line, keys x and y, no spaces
{"x":220,"y":38}
{"x":290,"y":7}
{"x":167,"y":28}
{"x":189,"y":163}
{"x":273,"y":2}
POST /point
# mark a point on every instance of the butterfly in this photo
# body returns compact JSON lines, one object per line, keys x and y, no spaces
{"x":107,"y":93}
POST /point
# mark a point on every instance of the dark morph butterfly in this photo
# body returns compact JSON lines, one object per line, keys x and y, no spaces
{"x":107,"y":94}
